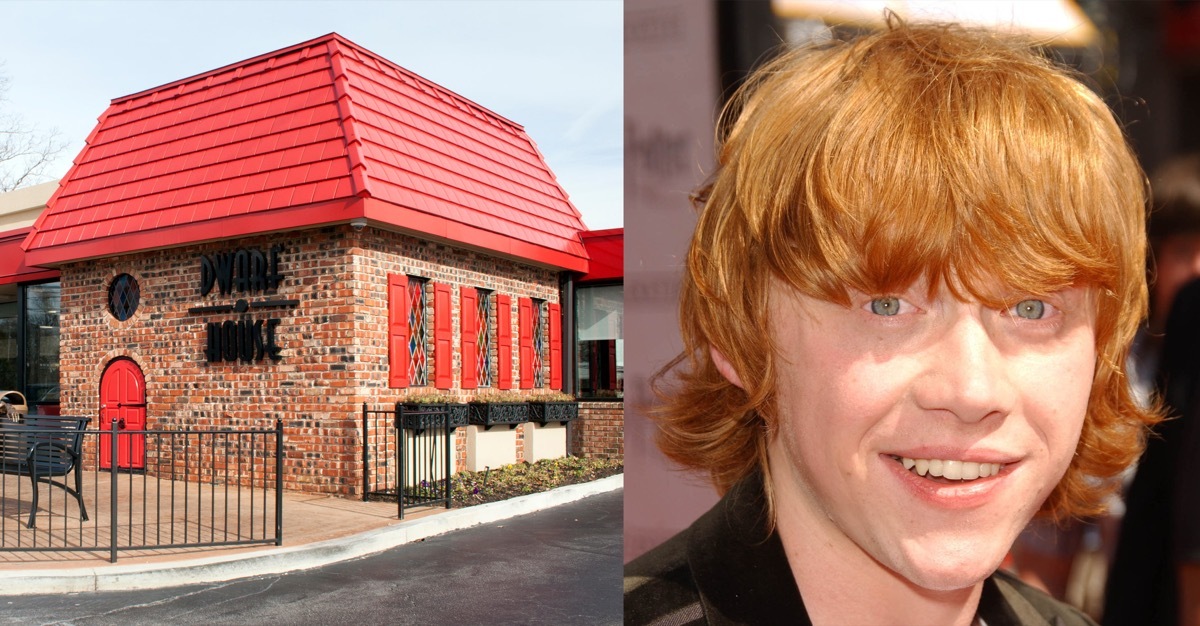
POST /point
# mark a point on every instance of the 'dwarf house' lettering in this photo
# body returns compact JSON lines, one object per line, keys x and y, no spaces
{"x":244,"y":272}
{"x":241,"y":271}
{"x":243,"y":340}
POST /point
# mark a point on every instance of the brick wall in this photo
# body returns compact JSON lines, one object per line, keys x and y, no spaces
{"x":599,"y":431}
{"x":382,"y":253}
{"x":334,"y":342}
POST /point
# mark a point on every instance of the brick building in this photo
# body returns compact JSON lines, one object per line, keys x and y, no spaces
{"x":293,"y":236}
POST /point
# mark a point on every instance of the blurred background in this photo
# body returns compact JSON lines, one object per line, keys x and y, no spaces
{"x":684,"y":57}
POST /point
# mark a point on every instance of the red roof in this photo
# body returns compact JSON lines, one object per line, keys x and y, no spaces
{"x":322,"y":132}
{"x":607,"y":251}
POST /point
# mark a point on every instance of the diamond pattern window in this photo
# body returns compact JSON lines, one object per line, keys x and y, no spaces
{"x":484,"y":339}
{"x":539,"y":343}
{"x":418,"y":332}
{"x":124,"y":294}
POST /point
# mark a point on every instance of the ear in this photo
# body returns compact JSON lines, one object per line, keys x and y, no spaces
{"x":726,"y":368}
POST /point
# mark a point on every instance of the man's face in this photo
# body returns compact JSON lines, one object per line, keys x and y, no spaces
{"x":872,"y":396}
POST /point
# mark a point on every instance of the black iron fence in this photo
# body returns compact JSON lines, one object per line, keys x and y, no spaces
{"x":407,"y":455}
{"x":143,"y":490}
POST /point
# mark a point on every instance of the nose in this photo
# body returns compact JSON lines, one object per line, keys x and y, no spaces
{"x":966,"y":373}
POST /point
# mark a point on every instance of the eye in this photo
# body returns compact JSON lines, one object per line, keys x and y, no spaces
{"x":887,"y":306}
{"x":1029,"y":309}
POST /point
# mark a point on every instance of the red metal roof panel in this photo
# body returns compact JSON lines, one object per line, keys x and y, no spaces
{"x":225,"y":153}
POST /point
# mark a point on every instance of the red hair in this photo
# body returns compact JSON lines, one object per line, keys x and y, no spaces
{"x":921,"y":151}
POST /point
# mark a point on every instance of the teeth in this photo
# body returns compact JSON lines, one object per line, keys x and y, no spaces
{"x":951,"y":469}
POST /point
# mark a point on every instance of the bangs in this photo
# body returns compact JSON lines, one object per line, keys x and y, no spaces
{"x":967,"y":175}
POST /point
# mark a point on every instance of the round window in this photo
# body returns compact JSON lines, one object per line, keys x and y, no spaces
{"x":123,"y":296}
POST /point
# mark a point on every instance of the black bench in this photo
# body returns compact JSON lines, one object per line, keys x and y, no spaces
{"x":44,"y":447}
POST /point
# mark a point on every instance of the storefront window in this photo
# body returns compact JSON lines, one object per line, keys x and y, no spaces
{"x":600,"y":332}
{"x":9,"y":339}
{"x":41,"y":345}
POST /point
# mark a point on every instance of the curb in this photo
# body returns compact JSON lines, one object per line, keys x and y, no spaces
{"x":290,"y":559}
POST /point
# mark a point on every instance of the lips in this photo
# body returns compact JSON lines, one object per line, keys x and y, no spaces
{"x":953,"y":479}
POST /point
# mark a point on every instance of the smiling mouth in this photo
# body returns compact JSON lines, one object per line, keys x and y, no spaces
{"x":948,"y":470}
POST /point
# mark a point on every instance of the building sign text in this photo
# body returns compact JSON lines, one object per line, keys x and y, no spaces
{"x":244,"y":272}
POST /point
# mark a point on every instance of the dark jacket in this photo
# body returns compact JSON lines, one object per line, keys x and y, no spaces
{"x":725,"y":570}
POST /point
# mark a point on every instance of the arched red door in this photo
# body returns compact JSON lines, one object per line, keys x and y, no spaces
{"x":123,"y":399}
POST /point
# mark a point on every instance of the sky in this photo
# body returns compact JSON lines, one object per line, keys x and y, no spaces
{"x":553,"y":66}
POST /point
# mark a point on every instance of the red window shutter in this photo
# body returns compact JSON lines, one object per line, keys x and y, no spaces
{"x":556,"y":353}
{"x":443,"y":338}
{"x":504,"y":342}
{"x":397,"y":330}
{"x":525,"y":342}
{"x":468,"y":314}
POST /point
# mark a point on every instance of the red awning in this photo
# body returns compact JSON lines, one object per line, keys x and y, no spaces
{"x":607,"y":251}
{"x":12,"y":260}
{"x":323,"y":132}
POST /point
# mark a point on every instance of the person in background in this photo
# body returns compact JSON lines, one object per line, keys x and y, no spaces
{"x":1155,"y":576}
{"x":1047,"y":553}
{"x":1174,"y":235}
{"x":906,"y":309}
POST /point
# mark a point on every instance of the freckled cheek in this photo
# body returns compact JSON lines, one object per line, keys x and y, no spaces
{"x":836,"y":395}
{"x":1056,"y":394}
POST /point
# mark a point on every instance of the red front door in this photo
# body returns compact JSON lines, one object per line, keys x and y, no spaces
{"x":123,"y":399}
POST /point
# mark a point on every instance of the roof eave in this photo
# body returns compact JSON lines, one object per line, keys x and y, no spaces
{"x":311,"y":216}
{"x":456,"y":233}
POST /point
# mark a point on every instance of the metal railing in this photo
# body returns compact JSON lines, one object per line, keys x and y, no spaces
{"x":154,"y":490}
{"x":407,"y":456}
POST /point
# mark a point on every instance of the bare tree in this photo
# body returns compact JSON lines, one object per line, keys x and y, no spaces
{"x":25,"y":151}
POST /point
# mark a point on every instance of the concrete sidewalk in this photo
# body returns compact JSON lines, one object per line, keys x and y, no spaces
{"x":317,"y":530}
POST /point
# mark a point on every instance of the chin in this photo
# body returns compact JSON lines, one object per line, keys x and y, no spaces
{"x":949,"y":568}
{"x":944,"y":579}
